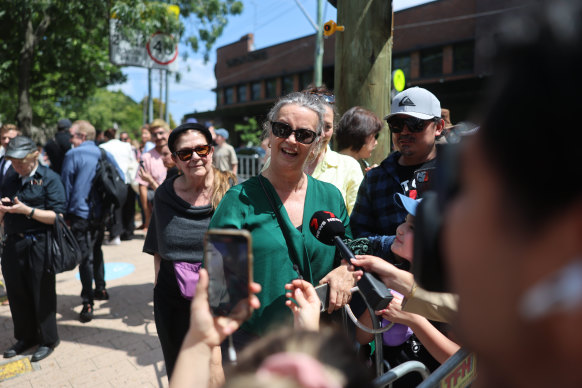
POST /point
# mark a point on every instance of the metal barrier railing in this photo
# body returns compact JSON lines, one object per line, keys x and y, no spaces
{"x":398,"y":371}
{"x":248,"y":166}
{"x":459,"y":371}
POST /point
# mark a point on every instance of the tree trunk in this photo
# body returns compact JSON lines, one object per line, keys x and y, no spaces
{"x":30,"y":37}
{"x":24,"y":115}
{"x":363,"y":61}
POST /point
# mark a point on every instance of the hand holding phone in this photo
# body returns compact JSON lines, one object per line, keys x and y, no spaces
{"x":228,"y":260}
{"x":209,"y":329}
{"x":7,"y":202}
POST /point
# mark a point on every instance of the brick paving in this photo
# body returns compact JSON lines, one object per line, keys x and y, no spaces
{"x":119,"y":347}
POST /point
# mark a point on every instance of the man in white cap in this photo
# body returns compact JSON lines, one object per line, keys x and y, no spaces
{"x":224,"y":157}
{"x":415,"y":122}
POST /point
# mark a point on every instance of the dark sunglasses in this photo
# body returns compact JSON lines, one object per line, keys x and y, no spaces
{"x":186,"y":154}
{"x":414,"y":125}
{"x":329,"y":98}
{"x":303,"y":136}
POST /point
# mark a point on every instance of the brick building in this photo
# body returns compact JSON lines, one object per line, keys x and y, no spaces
{"x":443,"y":46}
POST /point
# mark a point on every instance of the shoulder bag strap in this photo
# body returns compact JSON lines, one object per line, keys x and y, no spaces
{"x":293,"y":255}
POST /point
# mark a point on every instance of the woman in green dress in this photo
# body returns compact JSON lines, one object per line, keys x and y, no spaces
{"x":283,"y":246}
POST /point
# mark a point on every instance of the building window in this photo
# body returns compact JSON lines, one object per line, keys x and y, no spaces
{"x":241,"y":93}
{"x":305,"y":79}
{"x":287,"y":83}
{"x":228,"y":95}
{"x":256,"y":91}
{"x":271,"y":88}
{"x":431,"y":62}
{"x":463,"y":57}
{"x":402,"y":63}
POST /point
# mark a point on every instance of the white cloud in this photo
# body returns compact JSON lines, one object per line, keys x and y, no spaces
{"x":200,"y":76}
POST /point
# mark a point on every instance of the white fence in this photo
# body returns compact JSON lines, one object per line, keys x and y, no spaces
{"x":248,"y":166}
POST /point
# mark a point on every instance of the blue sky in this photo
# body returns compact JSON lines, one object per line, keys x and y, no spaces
{"x":271,"y":22}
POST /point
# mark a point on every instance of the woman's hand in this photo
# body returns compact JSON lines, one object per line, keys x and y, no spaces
{"x":306,"y":307}
{"x":340,"y":282}
{"x":207,"y":329}
{"x":393,"y":312}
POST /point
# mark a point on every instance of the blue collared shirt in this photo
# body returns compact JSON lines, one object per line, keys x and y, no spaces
{"x":79,"y":168}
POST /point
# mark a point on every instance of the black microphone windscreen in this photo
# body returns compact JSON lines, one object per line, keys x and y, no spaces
{"x":325,"y":226}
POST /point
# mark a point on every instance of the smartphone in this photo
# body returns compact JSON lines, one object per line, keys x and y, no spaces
{"x":228,"y":258}
{"x":141,"y":164}
{"x":7,"y":202}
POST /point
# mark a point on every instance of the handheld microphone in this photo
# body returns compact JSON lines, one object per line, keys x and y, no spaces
{"x":330,"y":230}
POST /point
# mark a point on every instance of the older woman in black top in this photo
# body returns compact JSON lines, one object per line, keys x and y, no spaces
{"x":183,"y":206}
{"x":32,"y":195}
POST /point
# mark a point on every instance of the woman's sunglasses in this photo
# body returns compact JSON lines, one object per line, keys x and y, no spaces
{"x":303,"y":136}
{"x":186,"y":154}
{"x":329,"y":98}
{"x":414,"y":125}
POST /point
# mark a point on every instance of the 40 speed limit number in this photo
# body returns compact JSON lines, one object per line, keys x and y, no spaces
{"x":162,"y":48}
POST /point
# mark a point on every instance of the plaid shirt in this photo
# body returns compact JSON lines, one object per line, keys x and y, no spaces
{"x":375,"y":212}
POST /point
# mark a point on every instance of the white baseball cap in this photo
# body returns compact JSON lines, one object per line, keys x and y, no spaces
{"x":416,"y":102}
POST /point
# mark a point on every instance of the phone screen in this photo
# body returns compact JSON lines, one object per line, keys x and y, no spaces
{"x":228,"y":260}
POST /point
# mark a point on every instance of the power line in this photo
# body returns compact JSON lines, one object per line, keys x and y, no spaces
{"x":276,"y":18}
{"x":456,"y":18}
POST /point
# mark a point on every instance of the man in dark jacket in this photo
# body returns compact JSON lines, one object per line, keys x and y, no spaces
{"x":57,"y":147}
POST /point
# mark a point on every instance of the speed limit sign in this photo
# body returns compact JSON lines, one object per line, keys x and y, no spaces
{"x":162,"y":48}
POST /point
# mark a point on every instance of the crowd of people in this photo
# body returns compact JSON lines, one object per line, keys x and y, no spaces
{"x":511,"y":247}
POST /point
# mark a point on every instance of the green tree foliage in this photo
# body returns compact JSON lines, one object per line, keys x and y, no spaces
{"x":54,"y":54}
{"x":249,"y":132}
{"x":209,"y":17}
{"x":105,"y":109}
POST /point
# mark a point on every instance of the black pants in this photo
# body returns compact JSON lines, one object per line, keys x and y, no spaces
{"x":90,"y":237}
{"x":30,"y":289}
{"x":128,"y":214}
{"x":98,"y":262}
{"x":172,"y":314}
{"x":115,"y":227}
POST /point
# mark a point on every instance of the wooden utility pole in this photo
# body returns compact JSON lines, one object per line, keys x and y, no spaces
{"x":363,"y":61}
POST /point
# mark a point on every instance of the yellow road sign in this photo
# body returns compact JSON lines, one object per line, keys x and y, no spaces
{"x":398,"y":80}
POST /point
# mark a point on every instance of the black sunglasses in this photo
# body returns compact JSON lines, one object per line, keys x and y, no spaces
{"x":329,"y":98}
{"x":303,"y":136}
{"x":414,"y":125}
{"x":186,"y":154}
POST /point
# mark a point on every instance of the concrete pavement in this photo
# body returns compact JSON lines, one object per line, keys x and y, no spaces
{"x":119,"y":347}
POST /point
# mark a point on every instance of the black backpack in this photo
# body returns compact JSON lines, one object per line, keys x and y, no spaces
{"x":108,"y":187}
